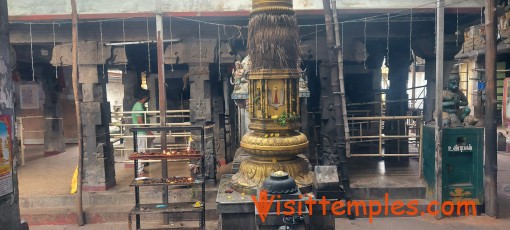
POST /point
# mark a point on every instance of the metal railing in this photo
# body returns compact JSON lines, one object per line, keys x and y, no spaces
{"x":124,"y":123}
{"x":415,"y":137}
{"x":22,"y":131}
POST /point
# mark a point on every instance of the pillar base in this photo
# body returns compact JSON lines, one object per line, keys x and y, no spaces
{"x":99,"y":187}
{"x":254,"y":171}
{"x":51,"y":153}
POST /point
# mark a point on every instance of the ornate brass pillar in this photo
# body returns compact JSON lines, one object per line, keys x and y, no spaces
{"x":274,"y":142}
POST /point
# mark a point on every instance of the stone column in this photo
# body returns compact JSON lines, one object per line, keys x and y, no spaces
{"x":98,"y":164}
{"x":327,"y":136}
{"x":430,"y":75}
{"x":430,"y":100}
{"x":54,"y":142}
{"x":9,"y":204}
{"x":131,"y":87}
{"x":200,"y":105}
{"x":398,"y":75}
{"x":219,"y":126}
{"x":98,"y":160}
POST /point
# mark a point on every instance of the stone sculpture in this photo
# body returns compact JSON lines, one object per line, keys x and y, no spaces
{"x":455,"y":108}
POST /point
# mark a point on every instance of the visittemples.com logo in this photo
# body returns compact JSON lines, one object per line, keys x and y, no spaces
{"x":372,"y":208}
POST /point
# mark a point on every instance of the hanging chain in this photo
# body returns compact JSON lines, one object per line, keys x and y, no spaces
{"x":365,"y":45}
{"x":435,"y":31}
{"x":388,"y":43}
{"x":411,"y":37}
{"x":148,"y":47}
{"x":481,"y":15}
{"x":200,"y":44}
{"x":316,"y":53}
{"x":32,"y":52}
{"x":219,"y":54}
{"x":457,"y":32}
{"x":54,"y":44}
{"x":125,"y":51}
{"x":102,"y":46}
{"x":171,"y":44}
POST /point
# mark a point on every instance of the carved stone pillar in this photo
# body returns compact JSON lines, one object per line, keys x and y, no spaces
{"x":54,"y":142}
{"x":200,"y":104}
{"x":397,"y":103}
{"x":429,"y":105}
{"x":327,"y":152}
{"x":98,"y":162}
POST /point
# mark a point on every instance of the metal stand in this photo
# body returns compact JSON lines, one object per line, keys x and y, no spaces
{"x":163,"y":207}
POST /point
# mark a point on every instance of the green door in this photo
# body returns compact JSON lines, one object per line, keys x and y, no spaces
{"x":463,"y":164}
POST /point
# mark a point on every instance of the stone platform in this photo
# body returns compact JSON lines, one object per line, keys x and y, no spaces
{"x":372,"y":178}
{"x":236,"y":210}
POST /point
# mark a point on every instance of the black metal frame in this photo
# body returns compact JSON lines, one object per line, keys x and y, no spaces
{"x":202,"y":165}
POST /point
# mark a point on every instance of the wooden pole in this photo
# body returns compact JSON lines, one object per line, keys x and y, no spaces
{"x":439,"y":103}
{"x":491,"y":157}
{"x":162,"y":97}
{"x":81,"y":217}
{"x":340,"y":64}
{"x":339,"y":142}
{"x":161,"y":72}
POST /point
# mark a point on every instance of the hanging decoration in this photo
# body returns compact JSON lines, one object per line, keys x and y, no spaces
{"x":200,"y":44}
{"x":124,"y":40}
{"x":411,"y":36}
{"x":32,"y":53}
{"x":365,"y":45}
{"x":457,"y":32}
{"x":219,"y":55}
{"x":481,"y":16}
{"x":101,"y":44}
{"x":148,"y":48}
{"x":54,"y":44}
{"x":435,"y":30}
{"x":388,"y":42}
{"x":316,"y":52}
{"x":171,"y":43}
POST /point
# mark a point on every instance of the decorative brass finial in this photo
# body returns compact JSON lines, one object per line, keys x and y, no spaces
{"x":272,"y":6}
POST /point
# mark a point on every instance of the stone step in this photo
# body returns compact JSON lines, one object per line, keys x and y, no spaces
{"x":121,"y":198}
{"x":374,"y":193}
{"x":209,"y":225}
{"x":105,"y":214}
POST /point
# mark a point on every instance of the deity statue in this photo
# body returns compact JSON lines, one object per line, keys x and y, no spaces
{"x":454,"y":103}
{"x":303,"y":81}
{"x":239,"y":79}
{"x":246,"y":63}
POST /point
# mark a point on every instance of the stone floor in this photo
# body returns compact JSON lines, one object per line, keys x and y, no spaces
{"x":52,"y":176}
{"x":373,"y":172}
{"x":428,"y":222}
